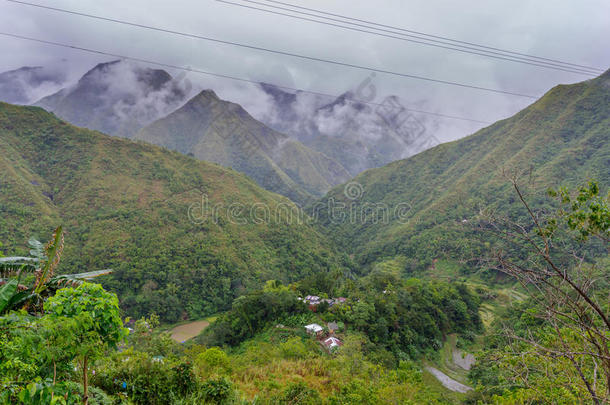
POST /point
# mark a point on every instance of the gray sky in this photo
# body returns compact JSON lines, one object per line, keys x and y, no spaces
{"x":573,"y":31}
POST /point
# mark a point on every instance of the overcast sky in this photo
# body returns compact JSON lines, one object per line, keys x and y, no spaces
{"x":573,"y":31}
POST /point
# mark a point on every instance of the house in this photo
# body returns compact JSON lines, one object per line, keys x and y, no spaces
{"x":314,"y":329}
{"x":332,"y":327}
{"x":332,"y":343}
{"x":312,"y":299}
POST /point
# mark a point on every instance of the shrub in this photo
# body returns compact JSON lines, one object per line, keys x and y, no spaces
{"x":217,"y":391}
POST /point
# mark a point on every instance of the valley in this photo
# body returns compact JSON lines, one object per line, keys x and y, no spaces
{"x":222,"y":233}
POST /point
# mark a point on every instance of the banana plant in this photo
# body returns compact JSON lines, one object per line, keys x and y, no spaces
{"x":43,"y":262}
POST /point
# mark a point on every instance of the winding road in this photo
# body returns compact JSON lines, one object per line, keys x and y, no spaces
{"x":447,"y":381}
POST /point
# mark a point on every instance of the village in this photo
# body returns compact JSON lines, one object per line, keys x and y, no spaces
{"x":325,"y":336}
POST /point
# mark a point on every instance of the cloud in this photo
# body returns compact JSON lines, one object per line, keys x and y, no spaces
{"x":572,"y":31}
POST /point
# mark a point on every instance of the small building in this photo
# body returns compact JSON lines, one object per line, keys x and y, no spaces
{"x":312,"y":299}
{"x":340,"y":300}
{"x":314,"y":329}
{"x":332,"y":343}
{"x":332,"y":327}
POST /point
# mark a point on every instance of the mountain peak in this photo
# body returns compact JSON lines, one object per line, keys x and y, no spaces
{"x":207,"y":95}
{"x":154,"y":79}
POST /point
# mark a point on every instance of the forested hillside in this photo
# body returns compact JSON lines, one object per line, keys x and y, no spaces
{"x":563,"y":139}
{"x":125,"y":206}
{"x":215,"y":130}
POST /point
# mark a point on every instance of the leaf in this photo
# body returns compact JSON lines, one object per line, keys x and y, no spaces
{"x":18,"y":259}
{"x":88,"y":275}
{"x":37,"y":249}
{"x":53,"y":252}
{"x":18,"y":299}
{"x":7,"y":291}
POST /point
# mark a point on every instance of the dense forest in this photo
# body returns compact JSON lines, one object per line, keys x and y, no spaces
{"x":63,"y":338}
{"x":172,"y":228}
{"x":476,"y":272}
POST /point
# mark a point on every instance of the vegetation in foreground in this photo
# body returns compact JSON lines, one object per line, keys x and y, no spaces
{"x":126,"y":206}
{"x":69,"y":345}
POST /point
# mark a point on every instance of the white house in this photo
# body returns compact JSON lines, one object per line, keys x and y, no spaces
{"x":332,"y":343}
{"x":313,"y":328}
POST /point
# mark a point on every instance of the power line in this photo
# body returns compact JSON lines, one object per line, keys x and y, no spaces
{"x":295,"y":55}
{"x":225,"y":76}
{"x":600,"y":70}
{"x":419,"y":40}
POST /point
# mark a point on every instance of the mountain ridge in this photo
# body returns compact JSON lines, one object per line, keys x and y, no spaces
{"x":561,"y":139}
{"x":223,"y":132}
{"x":166,"y":223}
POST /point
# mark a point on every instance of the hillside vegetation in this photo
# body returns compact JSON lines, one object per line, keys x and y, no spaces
{"x":563,"y":139}
{"x":125,"y":206}
{"x":215,"y":130}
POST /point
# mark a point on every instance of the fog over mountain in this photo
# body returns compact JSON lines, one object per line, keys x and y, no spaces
{"x":360,"y":135}
{"x":117,"y":98}
{"x":121,"y":97}
{"x":549,"y":29}
{"x":27,"y":84}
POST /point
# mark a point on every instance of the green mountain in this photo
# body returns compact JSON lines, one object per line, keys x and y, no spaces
{"x":215,"y":130}
{"x":184,"y":237}
{"x":117,"y":98}
{"x":421,"y":208}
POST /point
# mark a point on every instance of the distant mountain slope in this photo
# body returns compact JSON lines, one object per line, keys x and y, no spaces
{"x":139,"y":209}
{"x":360,"y":136}
{"x":219,"y":131}
{"x":562,"y":139}
{"x":116,"y":98}
{"x":27,"y":84}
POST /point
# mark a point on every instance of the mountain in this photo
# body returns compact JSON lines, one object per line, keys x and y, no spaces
{"x":421,"y":208}
{"x":116,"y":98}
{"x":358,"y":135}
{"x":27,"y":84}
{"x":184,"y":237}
{"x":219,"y":131}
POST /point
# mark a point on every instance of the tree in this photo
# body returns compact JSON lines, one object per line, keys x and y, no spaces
{"x":566,"y":274}
{"x":43,"y":261}
{"x":92,"y":323}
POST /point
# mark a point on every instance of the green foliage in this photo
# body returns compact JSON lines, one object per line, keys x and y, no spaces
{"x":250,"y":314}
{"x":553,"y":347}
{"x":98,"y":325}
{"x":213,"y":362}
{"x":147,"y":379}
{"x":145,"y":338}
{"x":126,"y":206}
{"x":43,"y":393}
{"x":96,"y":395}
{"x":299,"y":393}
{"x":411,"y":316}
{"x":294,"y":348}
{"x":588,"y":212}
{"x":234,"y":139}
{"x":557,"y":141}
{"x":44,"y":262}
{"x":217,"y":391}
